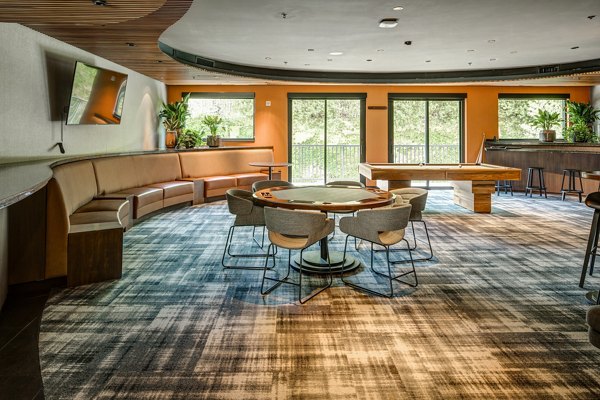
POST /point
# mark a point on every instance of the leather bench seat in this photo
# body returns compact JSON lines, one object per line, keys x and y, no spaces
{"x":175,"y":192}
{"x":93,"y":217}
{"x":145,"y":199}
{"x":245,"y":180}
{"x":119,"y":207}
{"x":218,"y":185}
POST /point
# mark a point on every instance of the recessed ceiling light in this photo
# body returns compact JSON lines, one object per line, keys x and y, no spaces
{"x":470,"y":63}
{"x":574,"y":47}
{"x":491,"y":41}
{"x":388,"y":23}
{"x":330,"y":59}
{"x":103,"y":3}
{"x":369,"y":60}
{"x":267,"y":58}
{"x":311,"y":49}
{"x":306,"y":65}
{"x":398,"y":8}
{"x":336,"y":53}
{"x":159,"y":61}
{"x":380,"y":50}
{"x":492,"y":59}
{"x":427,"y":61}
{"x":514,"y":52}
{"x":470,"y":51}
{"x":591,"y":16}
{"x":130,"y":44}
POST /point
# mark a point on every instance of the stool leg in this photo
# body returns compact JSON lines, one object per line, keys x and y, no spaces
{"x":543,"y":184}
{"x":562,"y":188}
{"x":529,"y":178}
{"x":510,"y":187}
{"x":581,"y":188}
{"x":540,"y":181}
{"x":594,"y":250}
{"x":588,"y":250}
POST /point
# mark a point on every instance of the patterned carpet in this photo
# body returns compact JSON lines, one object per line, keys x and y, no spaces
{"x":497,"y":314}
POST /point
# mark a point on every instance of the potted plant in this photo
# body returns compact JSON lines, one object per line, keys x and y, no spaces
{"x":581,"y":122}
{"x":213,"y":122}
{"x":545,"y":120}
{"x":189,"y":139}
{"x":173,"y":117}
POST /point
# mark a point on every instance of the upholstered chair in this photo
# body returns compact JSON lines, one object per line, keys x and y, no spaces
{"x":417,"y":198}
{"x":260,"y":185}
{"x":593,"y":320}
{"x":241,"y":204}
{"x":385,"y":227}
{"x":294,"y":230}
{"x":351,"y":184}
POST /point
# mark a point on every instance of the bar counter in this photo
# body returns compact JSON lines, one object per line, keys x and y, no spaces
{"x":553,"y":157}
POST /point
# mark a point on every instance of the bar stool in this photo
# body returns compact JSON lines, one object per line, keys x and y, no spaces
{"x":541,"y":185}
{"x":572,"y":186}
{"x":504,"y":185}
{"x":593,"y":201}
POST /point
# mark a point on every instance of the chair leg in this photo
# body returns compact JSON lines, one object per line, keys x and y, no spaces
{"x":429,"y":257}
{"x":227,"y":251}
{"x":302,"y":300}
{"x":593,"y":237}
{"x":277,"y":281}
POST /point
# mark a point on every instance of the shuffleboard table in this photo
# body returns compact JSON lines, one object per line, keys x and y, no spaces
{"x":473,"y":183}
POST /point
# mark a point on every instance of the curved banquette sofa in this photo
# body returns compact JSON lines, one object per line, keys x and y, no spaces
{"x":91,"y":202}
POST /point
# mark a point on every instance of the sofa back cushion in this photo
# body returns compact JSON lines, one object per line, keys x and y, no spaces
{"x":77,"y":183}
{"x":155,"y":168}
{"x":222,"y":162}
{"x":115,"y":173}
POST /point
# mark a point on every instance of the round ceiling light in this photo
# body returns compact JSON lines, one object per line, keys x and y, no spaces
{"x":398,"y":8}
{"x":388,"y":23}
{"x":336,"y":53}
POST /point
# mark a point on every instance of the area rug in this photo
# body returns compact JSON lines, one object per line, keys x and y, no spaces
{"x":497,"y":314}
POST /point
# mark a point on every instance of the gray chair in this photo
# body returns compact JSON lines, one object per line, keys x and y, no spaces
{"x":260,"y":185}
{"x":385,"y":227}
{"x":593,"y":320}
{"x":294,"y":230}
{"x":247,"y":213}
{"x":417,"y":198}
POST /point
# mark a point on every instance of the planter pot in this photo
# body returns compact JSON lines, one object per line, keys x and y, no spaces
{"x":213,"y":141}
{"x":171,"y":139}
{"x":548,"y":136}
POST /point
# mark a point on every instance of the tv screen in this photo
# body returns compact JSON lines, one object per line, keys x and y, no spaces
{"x":97,"y":96}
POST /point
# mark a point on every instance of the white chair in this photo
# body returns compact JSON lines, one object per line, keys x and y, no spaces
{"x":294,"y":230}
{"x":385,"y":227}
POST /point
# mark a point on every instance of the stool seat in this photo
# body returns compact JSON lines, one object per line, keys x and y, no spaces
{"x":593,"y":200}
{"x":541,"y":186}
{"x":593,"y":320}
{"x":572,"y":187}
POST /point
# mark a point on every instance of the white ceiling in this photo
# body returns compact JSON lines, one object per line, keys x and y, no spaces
{"x":501,"y":33}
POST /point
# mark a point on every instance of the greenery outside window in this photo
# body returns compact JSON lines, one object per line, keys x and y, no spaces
{"x":515,"y":110}
{"x":236,"y":110}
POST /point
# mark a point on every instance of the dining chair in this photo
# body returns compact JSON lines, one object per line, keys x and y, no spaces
{"x":385,"y":227}
{"x":260,"y":185}
{"x":241,"y":204}
{"x":417,"y":197}
{"x":351,"y":184}
{"x":294,"y":230}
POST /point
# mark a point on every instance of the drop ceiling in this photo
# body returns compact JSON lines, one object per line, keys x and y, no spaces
{"x":460,"y":36}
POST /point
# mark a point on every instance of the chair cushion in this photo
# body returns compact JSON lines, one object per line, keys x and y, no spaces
{"x":247,"y":179}
{"x":114,"y":174}
{"x":219,"y":182}
{"x":175,"y":188}
{"x":593,"y":317}
{"x":77,"y":183}
{"x":143,"y":195}
{"x":153,"y":168}
{"x":101,"y":205}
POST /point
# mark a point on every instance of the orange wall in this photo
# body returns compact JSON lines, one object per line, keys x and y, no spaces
{"x":271,"y":122}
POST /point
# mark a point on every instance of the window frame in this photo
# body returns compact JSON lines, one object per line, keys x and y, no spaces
{"x":532,"y":96}
{"x":231,"y":96}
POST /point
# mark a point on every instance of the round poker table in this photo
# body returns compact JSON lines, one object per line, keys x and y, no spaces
{"x":326,"y":199}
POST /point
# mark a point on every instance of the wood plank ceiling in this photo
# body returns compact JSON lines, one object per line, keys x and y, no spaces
{"x":126,"y":32}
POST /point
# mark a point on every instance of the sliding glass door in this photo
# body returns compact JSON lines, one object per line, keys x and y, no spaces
{"x":426,"y":129}
{"x":326,"y":137}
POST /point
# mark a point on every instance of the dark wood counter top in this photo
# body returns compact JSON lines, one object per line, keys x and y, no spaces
{"x":21,"y":179}
{"x":537,"y":146}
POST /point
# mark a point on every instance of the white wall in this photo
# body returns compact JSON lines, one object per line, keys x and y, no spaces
{"x":35,"y":77}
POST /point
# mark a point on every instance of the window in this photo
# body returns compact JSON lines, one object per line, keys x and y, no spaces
{"x":236,"y":110}
{"x":514,"y":110}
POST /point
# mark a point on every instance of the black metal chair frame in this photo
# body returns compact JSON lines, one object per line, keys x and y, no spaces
{"x":285,"y":280}
{"x":389,"y":275}
{"x":227,"y":249}
{"x":592,"y":248}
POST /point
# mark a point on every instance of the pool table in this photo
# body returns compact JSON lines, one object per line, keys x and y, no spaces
{"x":473,"y":183}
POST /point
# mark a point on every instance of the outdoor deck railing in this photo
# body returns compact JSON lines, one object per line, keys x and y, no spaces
{"x":343,"y":159}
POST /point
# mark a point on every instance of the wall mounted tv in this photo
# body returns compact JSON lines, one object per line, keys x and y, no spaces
{"x":97,"y":96}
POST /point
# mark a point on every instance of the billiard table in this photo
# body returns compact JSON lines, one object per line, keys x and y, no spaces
{"x":473,"y":183}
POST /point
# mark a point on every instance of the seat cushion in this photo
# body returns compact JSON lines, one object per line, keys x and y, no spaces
{"x":114,"y":205}
{"x":143,"y":195}
{"x":247,"y":179}
{"x":219,"y":182}
{"x":174,"y":188}
{"x":93,"y":217}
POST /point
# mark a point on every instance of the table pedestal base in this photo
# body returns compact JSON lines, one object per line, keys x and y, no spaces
{"x":312,"y":262}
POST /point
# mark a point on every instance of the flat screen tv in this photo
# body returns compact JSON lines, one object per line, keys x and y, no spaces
{"x":97,"y":96}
